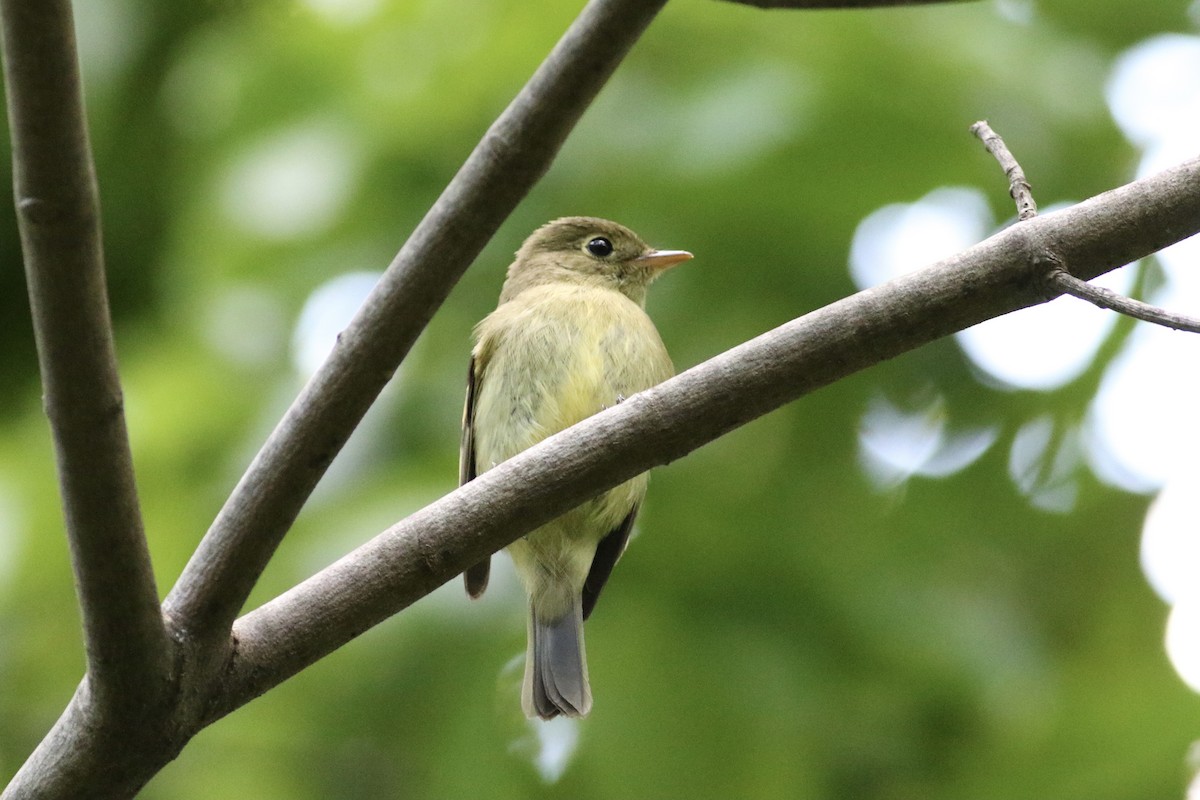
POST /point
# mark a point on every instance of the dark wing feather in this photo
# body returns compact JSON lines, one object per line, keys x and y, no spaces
{"x":607,"y":552}
{"x":476,"y":576}
{"x":466,"y":447}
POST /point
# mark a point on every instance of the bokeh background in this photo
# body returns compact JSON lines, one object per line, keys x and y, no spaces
{"x":966,"y":573}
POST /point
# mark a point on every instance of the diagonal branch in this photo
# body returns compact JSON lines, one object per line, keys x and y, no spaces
{"x":513,"y":155}
{"x":1002,"y":274}
{"x":59,"y":217}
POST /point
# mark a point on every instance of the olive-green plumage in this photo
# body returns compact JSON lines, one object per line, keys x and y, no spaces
{"x":569,"y":338}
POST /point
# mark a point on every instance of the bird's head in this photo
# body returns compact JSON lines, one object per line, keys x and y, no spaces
{"x":588,"y":251}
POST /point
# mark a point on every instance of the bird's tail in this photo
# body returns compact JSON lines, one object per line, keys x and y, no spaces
{"x":556,"y":677}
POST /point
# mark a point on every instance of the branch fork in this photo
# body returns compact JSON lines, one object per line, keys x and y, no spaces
{"x":1057,"y":278}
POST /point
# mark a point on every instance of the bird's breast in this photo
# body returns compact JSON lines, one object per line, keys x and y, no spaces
{"x":553,"y":358}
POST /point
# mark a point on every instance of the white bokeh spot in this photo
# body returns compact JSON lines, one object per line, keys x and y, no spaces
{"x":1141,"y":423}
{"x":293,"y":184}
{"x":1044,"y":463}
{"x":896,"y":444}
{"x":1153,"y":90}
{"x":1183,"y":633}
{"x":557,"y":739}
{"x":1170,"y":551}
{"x":903,"y":237}
{"x":325,"y":315}
{"x":1140,"y":430}
{"x":344,"y":12}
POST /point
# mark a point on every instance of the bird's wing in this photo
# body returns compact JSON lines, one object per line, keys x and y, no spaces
{"x":607,"y":552}
{"x":476,"y":576}
{"x":466,"y":447}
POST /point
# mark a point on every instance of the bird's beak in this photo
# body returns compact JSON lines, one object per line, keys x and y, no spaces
{"x":662,"y":260}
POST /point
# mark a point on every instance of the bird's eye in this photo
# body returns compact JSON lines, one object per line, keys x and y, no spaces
{"x":600,"y":247}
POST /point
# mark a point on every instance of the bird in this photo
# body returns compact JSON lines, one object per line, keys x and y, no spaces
{"x":569,"y":338}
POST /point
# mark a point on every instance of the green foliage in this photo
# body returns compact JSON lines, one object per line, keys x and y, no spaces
{"x":780,"y":627}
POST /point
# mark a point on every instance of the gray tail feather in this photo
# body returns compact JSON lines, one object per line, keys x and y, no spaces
{"x":556,"y":678}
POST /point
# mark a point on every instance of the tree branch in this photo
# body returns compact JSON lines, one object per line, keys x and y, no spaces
{"x":1007,"y":272}
{"x":513,"y":155}
{"x":1018,"y":187}
{"x":1059,"y":279}
{"x":1108,"y":299}
{"x":58,"y":213}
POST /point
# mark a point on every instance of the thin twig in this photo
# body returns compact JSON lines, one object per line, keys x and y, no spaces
{"x":1059,"y":278}
{"x":1018,"y":187}
{"x":665,"y":423}
{"x":58,"y":212}
{"x":513,"y":155}
{"x":1108,"y":299}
